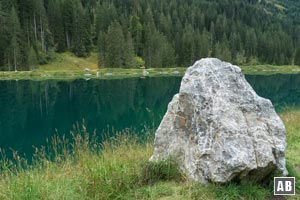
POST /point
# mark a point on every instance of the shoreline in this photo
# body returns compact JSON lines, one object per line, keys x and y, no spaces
{"x":104,"y":73}
{"x":118,"y":73}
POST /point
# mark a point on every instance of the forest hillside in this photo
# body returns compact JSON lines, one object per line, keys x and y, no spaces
{"x":154,"y":33}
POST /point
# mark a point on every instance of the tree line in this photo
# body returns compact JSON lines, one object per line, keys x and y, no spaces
{"x":154,"y":33}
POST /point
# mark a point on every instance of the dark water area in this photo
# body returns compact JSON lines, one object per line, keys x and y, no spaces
{"x":32,"y":111}
{"x":282,"y":90}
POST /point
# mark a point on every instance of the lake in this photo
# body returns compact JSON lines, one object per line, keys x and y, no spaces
{"x":32,"y":111}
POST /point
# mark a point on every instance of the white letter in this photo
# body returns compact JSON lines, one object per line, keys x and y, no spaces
{"x":280,"y":187}
{"x":288,"y":186}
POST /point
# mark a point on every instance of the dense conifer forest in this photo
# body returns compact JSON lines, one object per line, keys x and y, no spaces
{"x":154,"y":33}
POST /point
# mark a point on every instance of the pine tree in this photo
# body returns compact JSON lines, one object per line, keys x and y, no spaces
{"x":212,"y":38}
{"x":106,"y":13}
{"x":178,"y":43}
{"x":297,"y":56}
{"x":67,"y":18}
{"x":13,"y":54}
{"x":156,"y":42}
{"x":205,"y":44}
{"x":250,"y":44}
{"x":32,"y":59}
{"x":235,"y":44}
{"x":128,"y":51}
{"x":168,"y":53}
{"x":136,"y":30}
{"x":188,"y":45}
{"x":3,"y":36}
{"x":81,"y":31}
{"x":2,"y":13}
{"x":222,"y":51}
{"x":56,"y":24}
{"x":115,"y":46}
{"x":101,"y":44}
{"x":36,"y":16}
{"x":202,"y":44}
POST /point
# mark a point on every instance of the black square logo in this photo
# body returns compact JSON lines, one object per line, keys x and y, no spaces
{"x":284,"y":185}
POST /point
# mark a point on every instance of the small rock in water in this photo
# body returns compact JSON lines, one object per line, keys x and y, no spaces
{"x":218,"y":129}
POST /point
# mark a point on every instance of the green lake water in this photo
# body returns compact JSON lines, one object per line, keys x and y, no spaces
{"x":32,"y":111}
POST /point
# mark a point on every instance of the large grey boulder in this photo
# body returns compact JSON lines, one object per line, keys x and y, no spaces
{"x":218,"y":129}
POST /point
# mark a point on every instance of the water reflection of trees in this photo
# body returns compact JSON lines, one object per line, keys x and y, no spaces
{"x":31,"y":111}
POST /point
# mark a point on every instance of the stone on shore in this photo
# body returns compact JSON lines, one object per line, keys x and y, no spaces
{"x":218,"y":129}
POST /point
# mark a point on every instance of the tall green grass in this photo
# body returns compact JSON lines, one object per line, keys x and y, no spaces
{"x":82,"y":168}
{"x":79,"y":167}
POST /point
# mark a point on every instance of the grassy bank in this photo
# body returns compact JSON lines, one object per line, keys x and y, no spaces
{"x":104,"y":73}
{"x":119,"y":169}
{"x":67,"y":66}
{"x":270,"y":69}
